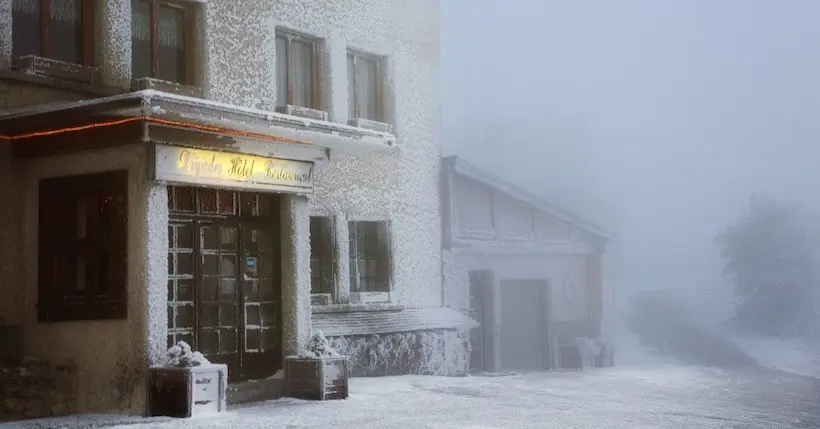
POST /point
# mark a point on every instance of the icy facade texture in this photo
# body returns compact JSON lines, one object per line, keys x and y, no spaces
{"x":442,"y":352}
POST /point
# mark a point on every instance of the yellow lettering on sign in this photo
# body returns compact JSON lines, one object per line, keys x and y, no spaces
{"x":230,"y":166}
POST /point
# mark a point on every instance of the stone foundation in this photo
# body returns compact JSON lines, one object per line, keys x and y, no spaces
{"x":439,"y":352}
{"x":34,"y":389}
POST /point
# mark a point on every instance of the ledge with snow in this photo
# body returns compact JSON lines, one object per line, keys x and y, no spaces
{"x":160,"y":117}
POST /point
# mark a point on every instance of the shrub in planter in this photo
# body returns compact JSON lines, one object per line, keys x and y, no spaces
{"x":186,"y":385}
{"x":317,"y":373}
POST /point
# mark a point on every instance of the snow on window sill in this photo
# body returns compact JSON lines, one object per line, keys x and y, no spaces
{"x":30,"y":77}
{"x":356,"y":308}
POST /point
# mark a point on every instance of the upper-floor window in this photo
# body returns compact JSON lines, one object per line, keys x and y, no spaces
{"x":369,"y":256}
{"x":82,"y":247}
{"x":56,"y":29}
{"x":160,"y":42}
{"x":296,"y":70}
{"x":364,"y":86}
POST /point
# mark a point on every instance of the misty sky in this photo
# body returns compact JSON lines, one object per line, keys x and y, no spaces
{"x":656,"y":119}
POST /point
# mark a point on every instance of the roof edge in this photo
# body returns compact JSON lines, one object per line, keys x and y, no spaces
{"x":466,"y":169}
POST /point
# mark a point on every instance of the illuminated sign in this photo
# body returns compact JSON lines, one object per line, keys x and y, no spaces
{"x":207,"y":167}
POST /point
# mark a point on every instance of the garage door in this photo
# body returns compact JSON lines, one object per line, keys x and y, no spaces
{"x":523,"y":325}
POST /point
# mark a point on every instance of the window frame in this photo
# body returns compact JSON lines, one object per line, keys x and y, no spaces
{"x":53,"y":305}
{"x":290,"y":36}
{"x":87,"y":17}
{"x":188,"y":34}
{"x":329,"y":243}
{"x":379,"y":61}
{"x":354,"y":254}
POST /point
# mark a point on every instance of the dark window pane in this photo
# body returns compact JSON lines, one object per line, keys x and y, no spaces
{"x":185,"y":236}
{"x":252,"y":317}
{"x":65,"y":31}
{"x":228,"y":340}
{"x":209,"y":341}
{"x":252,"y":339}
{"x":210,"y":287}
{"x":185,"y":263}
{"x":227,"y":238}
{"x":210,"y":238}
{"x":207,"y":201}
{"x":210,"y":264}
{"x":250,"y":204}
{"x":226,"y":202}
{"x":103,"y":273}
{"x":208,"y":315}
{"x":227,"y":289}
{"x":171,"y":43}
{"x":140,"y":39}
{"x":185,"y":289}
{"x":25,"y":27}
{"x":185,"y":316}
{"x":228,"y":315}
{"x":184,"y":199}
{"x":251,"y":289}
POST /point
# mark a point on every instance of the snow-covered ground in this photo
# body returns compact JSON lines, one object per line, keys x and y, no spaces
{"x":664,"y":396}
{"x":795,"y":356}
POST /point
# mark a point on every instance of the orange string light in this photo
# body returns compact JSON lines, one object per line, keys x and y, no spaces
{"x":179,"y":124}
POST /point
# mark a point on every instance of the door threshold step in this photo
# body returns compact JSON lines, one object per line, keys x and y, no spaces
{"x":255,"y":390}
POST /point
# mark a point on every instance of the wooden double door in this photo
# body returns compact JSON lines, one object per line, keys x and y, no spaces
{"x":224,"y":288}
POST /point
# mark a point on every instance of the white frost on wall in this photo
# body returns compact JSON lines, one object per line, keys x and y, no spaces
{"x":441,"y":352}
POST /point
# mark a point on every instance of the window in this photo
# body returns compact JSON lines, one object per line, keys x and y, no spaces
{"x":56,"y":29}
{"x":296,"y":71}
{"x":369,"y":256}
{"x":364,"y":86}
{"x":82,"y":265}
{"x":160,"y":42}
{"x":322,"y":260}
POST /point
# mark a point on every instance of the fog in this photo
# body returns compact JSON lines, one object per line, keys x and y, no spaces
{"x":655,"y":119}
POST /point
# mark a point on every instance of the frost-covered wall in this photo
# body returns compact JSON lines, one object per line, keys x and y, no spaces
{"x":110,"y":356}
{"x":400,"y":185}
{"x":438,"y":352}
{"x":556,"y":269}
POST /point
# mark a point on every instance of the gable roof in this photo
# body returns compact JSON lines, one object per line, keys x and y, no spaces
{"x":465,"y":169}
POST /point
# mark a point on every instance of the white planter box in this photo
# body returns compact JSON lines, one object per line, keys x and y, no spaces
{"x":187,"y":392}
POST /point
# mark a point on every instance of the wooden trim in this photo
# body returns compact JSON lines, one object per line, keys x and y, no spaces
{"x":88,"y":32}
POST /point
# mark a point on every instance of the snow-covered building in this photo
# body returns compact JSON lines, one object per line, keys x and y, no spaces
{"x":229,"y":174}
{"x":532,"y":274}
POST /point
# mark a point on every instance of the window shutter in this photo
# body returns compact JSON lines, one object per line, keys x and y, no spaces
{"x":354,"y":256}
{"x":384,"y":256}
{"x":351,"y":87}
{"x":281,"y":71}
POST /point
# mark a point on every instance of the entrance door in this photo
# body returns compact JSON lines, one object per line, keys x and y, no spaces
{"x":224,"y":286}
{"x":524,"y":325}
{"x":480,"y":283}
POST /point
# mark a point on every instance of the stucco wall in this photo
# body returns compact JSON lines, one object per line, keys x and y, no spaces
{"x":110,"y":356}
{"x":553,"y":268}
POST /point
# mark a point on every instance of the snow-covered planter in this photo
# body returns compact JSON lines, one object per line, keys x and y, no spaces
{"x":317,"y":373}
{"x":186,"y":385}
